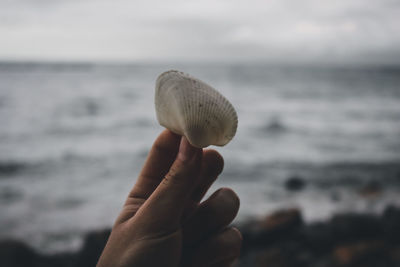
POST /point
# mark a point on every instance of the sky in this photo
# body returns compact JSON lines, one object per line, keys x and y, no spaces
{"x":299,"y":31}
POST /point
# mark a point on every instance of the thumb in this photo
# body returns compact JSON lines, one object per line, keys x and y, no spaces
{"x":169,"y":199}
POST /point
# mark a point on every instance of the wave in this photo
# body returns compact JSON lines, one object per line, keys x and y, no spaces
{"x":324,"y":175}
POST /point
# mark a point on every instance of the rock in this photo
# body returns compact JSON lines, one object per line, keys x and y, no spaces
{"x":318,"y":237}
{"x":364,"y":252}
{"x":279,"y":225}
{"x":394,"y":255}
{"x":274,"y":227}
{"x":282,"y":220}
{"x":16,"y":254}
{"x":391,"y":224}
{"x":288,"y":253}
{"x":93,"y":246}
{"x":371,"y":190}
{"x":295,"y":183}
{"x":351,"y":227}
{"x":272,"y":258}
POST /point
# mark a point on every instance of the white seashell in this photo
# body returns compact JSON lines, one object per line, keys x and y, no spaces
{"x":187,"y":106}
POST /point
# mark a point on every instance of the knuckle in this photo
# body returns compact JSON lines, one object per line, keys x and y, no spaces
{"x":161,"y":148}
{"x":175,"y":174}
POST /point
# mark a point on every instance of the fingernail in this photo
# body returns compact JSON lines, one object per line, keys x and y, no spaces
{"x":186,"y":150}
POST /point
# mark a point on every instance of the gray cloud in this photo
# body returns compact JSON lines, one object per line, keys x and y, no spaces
{"x":269,"y":30}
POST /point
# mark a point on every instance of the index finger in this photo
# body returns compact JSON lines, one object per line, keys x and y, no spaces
{"x":157,"y":165}
{"x":170,"y":197}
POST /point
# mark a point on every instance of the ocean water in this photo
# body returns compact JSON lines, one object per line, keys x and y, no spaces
{"x":73,"y":138}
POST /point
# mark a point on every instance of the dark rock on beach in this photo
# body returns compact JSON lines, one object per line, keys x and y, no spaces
{"x":295,"y":183}
{"x":281,"y":222}
{"x":92,"y":248}
{"x":17,"y":254}
{"x":391,"y":225}
{"x":365,"y":253}
{"x":352,"y":227}
{"x":274,"y":226}
{"x":371,"y":189}
{"x":281,"y":239}
{"x":345,"y":240}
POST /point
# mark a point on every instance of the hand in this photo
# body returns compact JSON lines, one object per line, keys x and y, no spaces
{"x":163,"y":222}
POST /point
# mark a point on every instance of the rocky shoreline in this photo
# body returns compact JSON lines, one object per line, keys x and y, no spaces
{"x":282,"y":239}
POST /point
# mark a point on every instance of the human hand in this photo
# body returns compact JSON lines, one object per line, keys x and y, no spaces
{"x":163,"y":222}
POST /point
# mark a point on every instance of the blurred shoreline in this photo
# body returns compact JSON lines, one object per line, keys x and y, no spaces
{"x":281,"y":239}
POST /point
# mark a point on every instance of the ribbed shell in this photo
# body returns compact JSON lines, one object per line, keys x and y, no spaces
{"x":190,"y":107}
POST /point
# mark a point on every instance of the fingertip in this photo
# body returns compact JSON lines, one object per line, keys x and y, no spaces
{"x":167,"y":135}
{"x":166,"y":143}
{"x":230,"y":197}
{"x":214,"y":162}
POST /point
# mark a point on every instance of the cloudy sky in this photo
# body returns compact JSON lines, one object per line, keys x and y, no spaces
{"x":344,"y":31}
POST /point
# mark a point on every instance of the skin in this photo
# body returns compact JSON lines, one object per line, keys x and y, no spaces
{"x":164,"y":223}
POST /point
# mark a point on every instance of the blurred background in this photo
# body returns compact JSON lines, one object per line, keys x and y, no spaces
{"x":316,"y":85}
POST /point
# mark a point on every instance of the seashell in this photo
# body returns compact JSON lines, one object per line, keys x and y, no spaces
{"x":187,"y":106}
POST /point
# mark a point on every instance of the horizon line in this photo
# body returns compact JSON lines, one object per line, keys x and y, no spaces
{"x":197,"y":62}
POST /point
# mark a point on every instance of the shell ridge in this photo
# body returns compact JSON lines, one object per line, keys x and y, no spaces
{"x":193,"y":108}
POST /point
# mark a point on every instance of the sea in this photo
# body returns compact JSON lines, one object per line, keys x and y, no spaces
{"x":73,"y":138}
